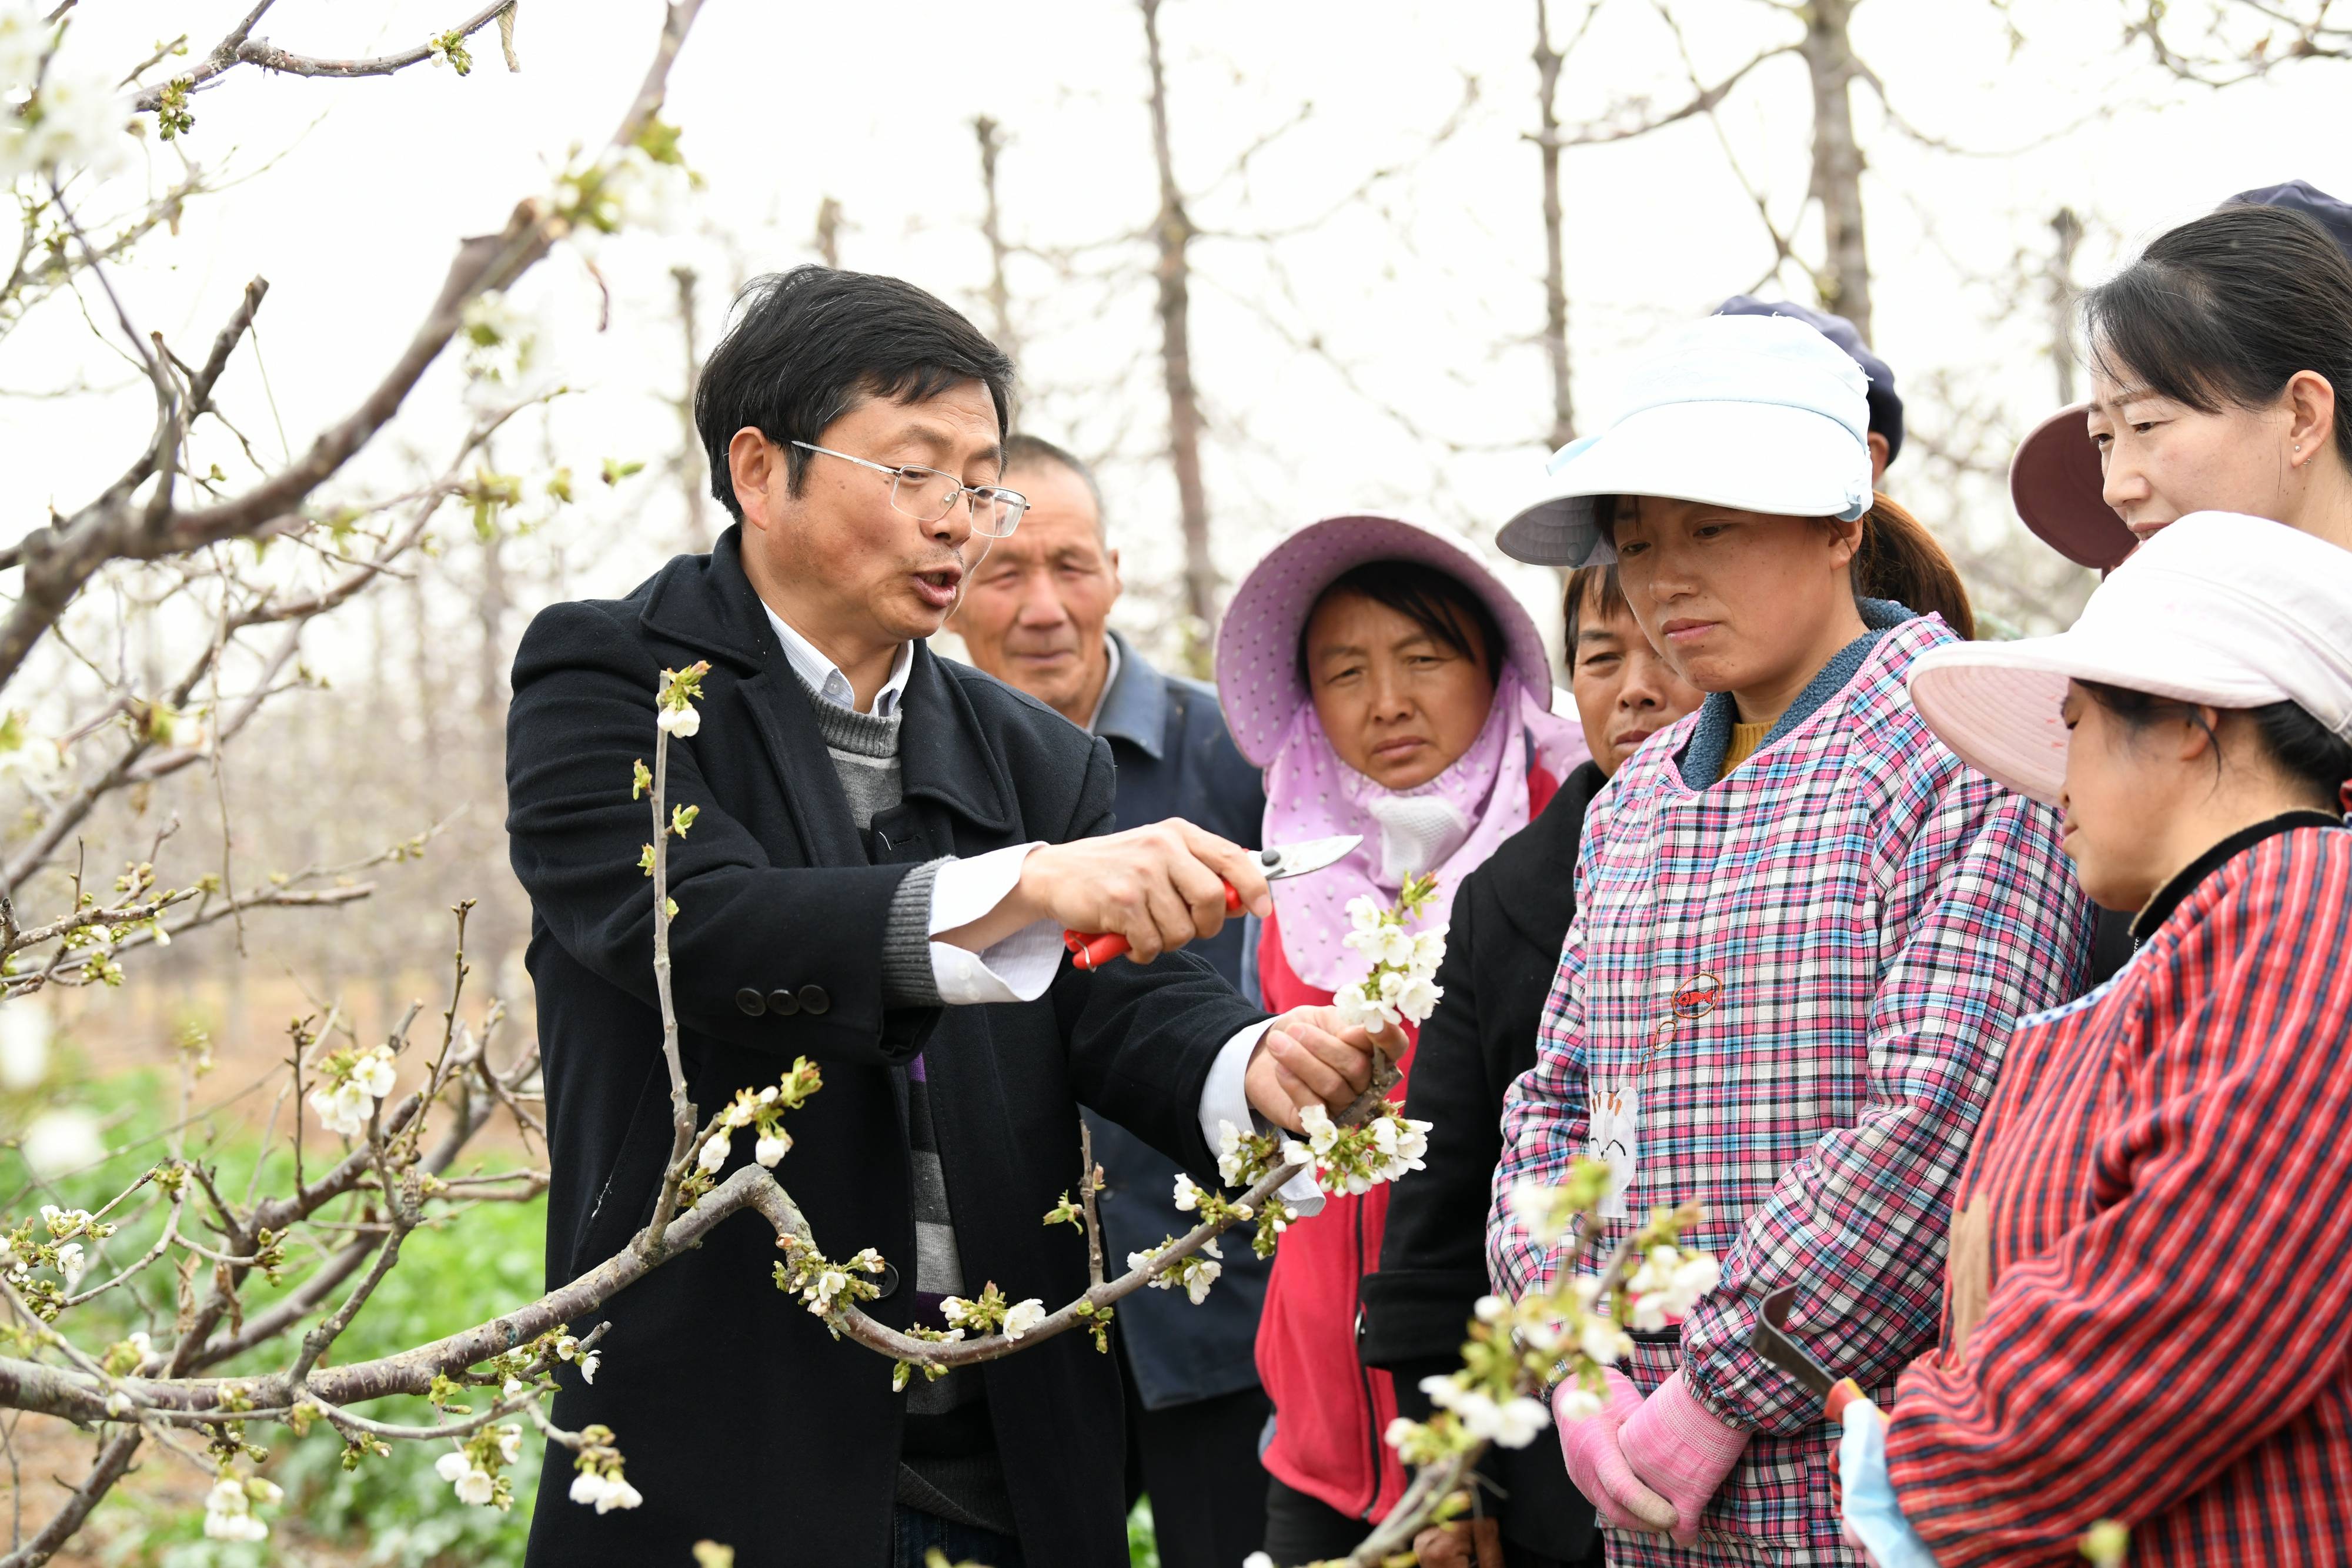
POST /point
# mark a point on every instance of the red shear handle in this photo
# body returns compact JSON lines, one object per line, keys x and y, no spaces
{"x":1844,"y":1391}
{"x":1092,"y":951}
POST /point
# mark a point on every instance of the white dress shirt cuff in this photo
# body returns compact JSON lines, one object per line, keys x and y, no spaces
{"x":1226,"y":1098}
{"x":1016,"y":969}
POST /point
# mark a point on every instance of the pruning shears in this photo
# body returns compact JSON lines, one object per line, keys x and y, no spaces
{"x":1774,"y":1345}
{"x":1093,"y":950}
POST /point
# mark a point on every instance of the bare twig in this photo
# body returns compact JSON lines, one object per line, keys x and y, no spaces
{"x":240,"y":48}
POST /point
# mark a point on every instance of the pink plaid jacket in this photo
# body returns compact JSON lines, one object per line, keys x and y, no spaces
{"x":1799,"y":981}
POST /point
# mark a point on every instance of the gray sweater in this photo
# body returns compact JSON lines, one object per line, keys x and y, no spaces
{"x":951,"y":1467}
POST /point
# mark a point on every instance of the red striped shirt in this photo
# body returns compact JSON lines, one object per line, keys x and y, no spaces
{"x":2167,"y":1167}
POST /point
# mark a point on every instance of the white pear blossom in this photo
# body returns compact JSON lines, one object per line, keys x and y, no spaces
{"x":24,"y":1041}
{"x":72,"y":120}
{"x":62,"y":1141}
{"x":1602,"y":1340}
{"x":588,"y":1486}
{"x":351,"y":1085}
{"x":589,"y":1363}
{"x":618,"y":1493}
{"x":228,"y":1513}
{"x":451,"y":1465}
{"x":1188,"y":1193}
{"x":681,"y":722}
{"x":1538,"y":1208}
{"x":1512,"y":1423}
{"x":821,"y":1290}
{"x":1518,"y":1420}
{"x":1364,"y":918}
{"x":1230,"y":1154}
{"x":772,"y":1147}
{"x":373,"y":1072}
{"x":1361,"y":1012}
{"x":1023,"y":1316}
{"x":343,"y":1107}
{"x":1668,"y":1284}
{"x":1320,"y":1130}
{"x":1417,"y":998}
{"x":498,"y":338}
{"x":714,"y":1152}
{"x":1491,"y":1310}
{"x":71,"y":1264}
{"x":476,"y":1487}
{"x":510,"y":1444}
{"x":1574,"y":1402}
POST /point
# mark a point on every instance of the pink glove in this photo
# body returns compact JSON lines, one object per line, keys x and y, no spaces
{"x":1599,"y":1469}
{"x":1682,"y":1451}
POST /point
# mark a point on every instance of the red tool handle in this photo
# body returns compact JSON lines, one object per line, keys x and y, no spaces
{"x":1092,"y":951}
{"x":1844,"y":1391}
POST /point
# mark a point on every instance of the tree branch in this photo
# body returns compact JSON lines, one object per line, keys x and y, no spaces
{"x":58,"y":560}
{"x":240,"y":48}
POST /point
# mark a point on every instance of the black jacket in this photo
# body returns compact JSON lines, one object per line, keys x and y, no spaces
{"x":741,"y":1420}
{"x":1175,"y":759}
{"x":1510,"y":917}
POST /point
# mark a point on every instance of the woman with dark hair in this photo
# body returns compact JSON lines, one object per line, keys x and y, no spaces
{"x":2217,"y":363}
{"x":1501,"y":949}
{"x":1804,"y":932}
{"x":2144,"y":1315}
{"x":1390,"y":687}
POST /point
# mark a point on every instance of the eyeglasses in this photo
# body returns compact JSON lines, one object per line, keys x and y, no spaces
{"x":926,"y":494}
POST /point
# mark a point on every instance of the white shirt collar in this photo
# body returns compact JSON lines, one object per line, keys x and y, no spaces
{"x":823,"y":677}
{"x":1111,"y":679}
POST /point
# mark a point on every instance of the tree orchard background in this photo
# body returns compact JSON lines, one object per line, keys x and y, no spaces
{"x":1329,"y":220}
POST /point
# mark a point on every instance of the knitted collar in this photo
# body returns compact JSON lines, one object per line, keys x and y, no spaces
{"x":1702,"y":760}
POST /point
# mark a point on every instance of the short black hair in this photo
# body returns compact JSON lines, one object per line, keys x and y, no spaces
{"x":1022,"y":450}
{"x":1437,"y":601}
{"x":1607,"y":592}
{"x":804,"y":346}
{"x":2223,"y":311}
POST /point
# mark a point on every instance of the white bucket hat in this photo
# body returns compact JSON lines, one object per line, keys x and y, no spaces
{"x":2219,"y":609}
{"x":1761,"y":412}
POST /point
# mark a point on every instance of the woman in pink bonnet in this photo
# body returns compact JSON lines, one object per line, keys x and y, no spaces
{"x":1390,"y":687}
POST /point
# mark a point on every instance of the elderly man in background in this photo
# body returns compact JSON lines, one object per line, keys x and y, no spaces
{"x":1035,"y":616}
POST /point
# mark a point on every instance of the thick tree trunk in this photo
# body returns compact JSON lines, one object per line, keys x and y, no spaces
{"x":991,"y":229}
{"x":828,"y":231}
{"x":693,"y":475}
{"x":1844,"y":281}
{"x":1173,"y":232}
{"x":2068,"y":229}
{"x":1555,"y":341}
{"x":496,"y":931}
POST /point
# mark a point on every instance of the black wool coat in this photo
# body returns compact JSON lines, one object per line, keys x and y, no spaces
{"x":741,"y":1420}
{"x":1502,"y":949}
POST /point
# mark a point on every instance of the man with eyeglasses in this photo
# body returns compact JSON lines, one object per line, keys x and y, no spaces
{"x":886,"y":849}
{"x":1036,"y":616}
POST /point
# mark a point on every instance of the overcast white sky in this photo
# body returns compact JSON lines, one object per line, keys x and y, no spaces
{"x":1424,"y":295}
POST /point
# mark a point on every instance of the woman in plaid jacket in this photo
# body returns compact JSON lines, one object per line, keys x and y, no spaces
{"x":1805,"y":932}
{"x":2146,"y":1318}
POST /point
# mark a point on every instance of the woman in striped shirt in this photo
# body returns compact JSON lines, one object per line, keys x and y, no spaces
{"x":2146,"y":1318}
{"x":1804,"y":933}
